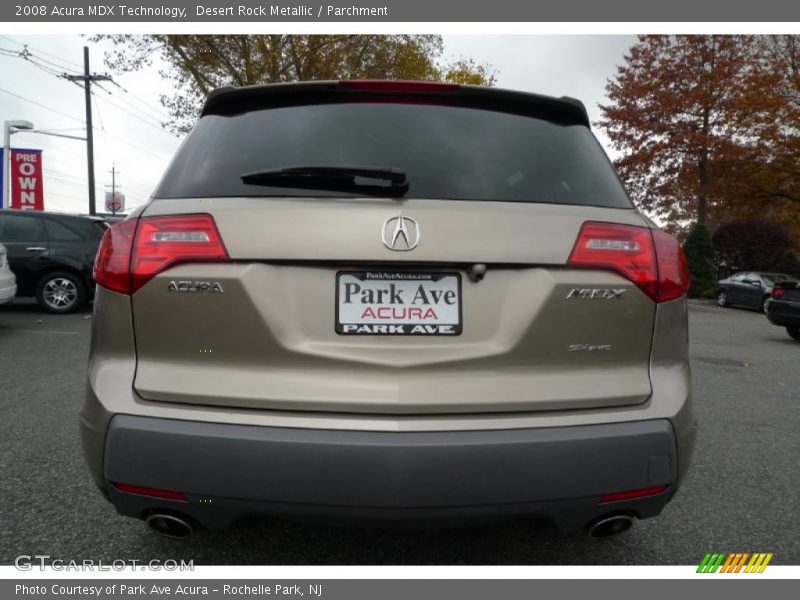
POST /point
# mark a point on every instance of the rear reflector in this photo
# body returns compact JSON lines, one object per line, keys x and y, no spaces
{"x":152,"y":492}
{"x":112,"y":267}
{"x":134,"y":251}
{"x":673,"y":273}
{"x":633,"y":494}
{"x":398,"y":86}
{"x":650,"y":258}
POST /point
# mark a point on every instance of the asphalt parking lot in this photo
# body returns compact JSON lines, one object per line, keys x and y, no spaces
{"x":741,"y":493}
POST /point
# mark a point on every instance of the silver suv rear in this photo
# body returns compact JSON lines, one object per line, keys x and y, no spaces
{"x":389,"y":300}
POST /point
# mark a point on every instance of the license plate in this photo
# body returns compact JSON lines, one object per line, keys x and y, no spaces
{"x":398,"y":303}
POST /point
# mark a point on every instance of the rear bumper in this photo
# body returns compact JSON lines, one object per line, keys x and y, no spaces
{"x":229,"y":471}
{"x":783,"y":314}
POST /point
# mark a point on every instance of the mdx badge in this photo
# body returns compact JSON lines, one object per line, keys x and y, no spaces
{"x":596,"y":294}
{"x":195,"y":287}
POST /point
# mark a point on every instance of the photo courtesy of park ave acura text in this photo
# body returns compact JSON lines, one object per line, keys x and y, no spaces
{"x":399,"y":299}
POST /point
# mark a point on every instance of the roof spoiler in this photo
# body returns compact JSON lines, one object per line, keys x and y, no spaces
{"x":235,"y":100}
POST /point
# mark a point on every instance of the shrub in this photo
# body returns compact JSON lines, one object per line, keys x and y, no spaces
{"x":700,"y":261}
{"x":751,"y":245}
{"x":789,"y":264}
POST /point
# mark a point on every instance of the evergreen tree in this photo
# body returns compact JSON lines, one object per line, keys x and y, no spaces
{"x":700,"y":260}
{"x":788,"y":264}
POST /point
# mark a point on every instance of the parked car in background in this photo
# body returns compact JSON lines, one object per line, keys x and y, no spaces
{"x":8,"y":281}
{"x":52,"y":256}
{"x":750,"y":289}
{"x":783,"y":308}
{"x":389,"y":300}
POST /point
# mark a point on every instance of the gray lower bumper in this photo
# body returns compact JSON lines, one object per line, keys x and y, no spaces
{"x":231,"y":470}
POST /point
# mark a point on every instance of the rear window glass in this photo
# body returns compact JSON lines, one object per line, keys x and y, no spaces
{"x":446,"y":152}
{"x":773,"y":277}
{"x":59,"y":232}
{"x":21,"y":228}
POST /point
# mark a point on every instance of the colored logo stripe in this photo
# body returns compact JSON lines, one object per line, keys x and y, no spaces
{"x":758,"y":563}
{"x":734,"y":562}
{"x":711,"y":563}
{"x":737,"y":561}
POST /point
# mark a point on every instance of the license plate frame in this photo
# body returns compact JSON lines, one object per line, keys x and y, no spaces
{"x":406,"y":280}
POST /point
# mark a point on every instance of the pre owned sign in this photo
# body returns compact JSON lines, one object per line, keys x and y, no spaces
{"x":27,"y":187}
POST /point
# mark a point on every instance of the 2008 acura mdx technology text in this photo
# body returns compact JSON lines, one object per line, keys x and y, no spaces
{"x":389,"y":300}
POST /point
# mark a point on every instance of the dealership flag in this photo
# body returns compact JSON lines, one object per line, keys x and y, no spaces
{"x":27,"y":185}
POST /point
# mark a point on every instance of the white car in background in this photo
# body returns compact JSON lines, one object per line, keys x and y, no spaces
{"x":8,"y":282}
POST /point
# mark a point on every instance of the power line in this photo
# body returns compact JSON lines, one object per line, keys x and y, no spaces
{"x":152,"y":124}
{"x":149,"y":105}
{"x":102,"y":126}
{"x":40,"y":51}
{"x":138,"y":190}
{"x":48,"y":66}
{"x":66,"y":196}
{"x":148,"y":112}
{"x":50,"y":171}
{"x":154,"y":117}
{"x":40,"y":105}
{"x":145,"y":187}
{"x":99,"y":116}
{"x":145,"y":120}
{"x":63,"y":181}
{"x":55,"y":65}
{"x":18,"y":55}
{"x":132,"y":145}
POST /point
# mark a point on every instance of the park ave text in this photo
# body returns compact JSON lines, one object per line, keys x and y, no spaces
{"x":199,"y":11}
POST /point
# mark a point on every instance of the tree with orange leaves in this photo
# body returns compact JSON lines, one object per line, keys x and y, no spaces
{"x":695,"y":120}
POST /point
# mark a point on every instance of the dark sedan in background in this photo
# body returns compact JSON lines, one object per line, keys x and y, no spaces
{"x":750,"y":289}
{"x":783,"y":308}
{"x":52,"y":256}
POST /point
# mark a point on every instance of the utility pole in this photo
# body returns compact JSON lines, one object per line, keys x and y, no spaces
{"x":113,"y":189}
{"x":87,"y":78}
{"x":113,"y":186}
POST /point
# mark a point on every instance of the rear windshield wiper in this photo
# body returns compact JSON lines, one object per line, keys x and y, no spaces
{"x":360,"y":180}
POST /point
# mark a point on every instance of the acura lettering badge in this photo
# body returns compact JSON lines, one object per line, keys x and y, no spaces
{"x":400,"y":233}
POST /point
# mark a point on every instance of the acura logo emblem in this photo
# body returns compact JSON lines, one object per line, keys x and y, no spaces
{"x":400,"y":233}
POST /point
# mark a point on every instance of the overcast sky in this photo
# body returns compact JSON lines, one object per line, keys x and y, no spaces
{"x":127,"y":131}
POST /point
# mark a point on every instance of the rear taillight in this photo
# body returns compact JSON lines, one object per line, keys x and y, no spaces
{"x":778,"y":292}
{"x":162,"y":242}
{"x":650,"y":258}
{"x":112,"y":267}
{"x":673,"y":273}
{"x":134,"y":251}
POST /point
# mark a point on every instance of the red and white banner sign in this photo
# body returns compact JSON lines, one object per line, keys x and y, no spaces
{"x":27,"y":186}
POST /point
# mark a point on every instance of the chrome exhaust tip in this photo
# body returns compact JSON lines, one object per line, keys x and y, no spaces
{"x":171,"y":526}
{"x":611,"y":526}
